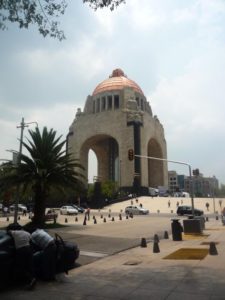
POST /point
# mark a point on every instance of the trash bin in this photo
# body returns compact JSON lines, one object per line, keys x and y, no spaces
{"x":202,"y":221}
{"x":177,"y":230}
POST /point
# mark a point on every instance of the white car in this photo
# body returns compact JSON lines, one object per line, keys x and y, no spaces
{"x":136,"y":210}
{"x":68,"y":210}
{"x":21,"y":208}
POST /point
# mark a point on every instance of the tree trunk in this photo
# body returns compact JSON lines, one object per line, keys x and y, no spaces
{"x":39,"y":206}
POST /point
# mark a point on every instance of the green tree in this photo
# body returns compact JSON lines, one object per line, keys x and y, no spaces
{"x":47,"y":167}
{"x":43,"y":13}
{"x":109,"y":189}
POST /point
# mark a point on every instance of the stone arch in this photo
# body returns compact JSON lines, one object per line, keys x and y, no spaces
{"x":155,"y":167}
{"x":106,"y":149}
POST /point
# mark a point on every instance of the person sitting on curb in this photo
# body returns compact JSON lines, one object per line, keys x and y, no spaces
{"x":24,"y":256}
{"x":46,"y":243}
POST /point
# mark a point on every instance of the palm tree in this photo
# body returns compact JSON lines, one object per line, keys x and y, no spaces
{"x":47,"y":166}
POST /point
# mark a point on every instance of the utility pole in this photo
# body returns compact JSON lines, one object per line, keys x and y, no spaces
{"x":22,"y":126}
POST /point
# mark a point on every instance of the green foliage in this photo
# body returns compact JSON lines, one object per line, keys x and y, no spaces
{"x":109,"y":189}
{"x":43,"y":13}
{"x":112,"y":4}
{"x":47,"y":167}
{"x":221,"y":191}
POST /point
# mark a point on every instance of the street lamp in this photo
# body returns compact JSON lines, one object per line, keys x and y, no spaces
{"x":22,"y":126}
{"x":176,"y":162}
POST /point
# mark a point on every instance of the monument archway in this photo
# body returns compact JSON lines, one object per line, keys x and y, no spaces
{"x":106,"y":150}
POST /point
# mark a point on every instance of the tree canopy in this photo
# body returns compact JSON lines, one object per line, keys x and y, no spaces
{"x":43,"y":13}
{"x":47,"y":166}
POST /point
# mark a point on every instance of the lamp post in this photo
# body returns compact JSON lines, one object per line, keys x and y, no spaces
{"x":176,"y":162}
{"x":22,"y":126}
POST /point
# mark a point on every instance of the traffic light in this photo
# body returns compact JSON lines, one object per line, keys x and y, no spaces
{"x":131,"y":154}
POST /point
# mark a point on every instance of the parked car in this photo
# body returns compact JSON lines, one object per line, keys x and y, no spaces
{"x":68,"y":210}
{"x":79,"y":208}
{"x":187,"y":210}
{"x":136,"y":210}
{"x":50,"y":215}
{"x":21,"y":208}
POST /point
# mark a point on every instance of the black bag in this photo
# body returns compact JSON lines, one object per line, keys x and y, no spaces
{"x":66,"y":254}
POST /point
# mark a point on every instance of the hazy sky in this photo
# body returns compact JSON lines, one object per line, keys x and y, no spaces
{"x":173,"y":49}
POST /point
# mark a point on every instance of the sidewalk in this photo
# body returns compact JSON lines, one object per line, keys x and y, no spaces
{"x":139,"y":273}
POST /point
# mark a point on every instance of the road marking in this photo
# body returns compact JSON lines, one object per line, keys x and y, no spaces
{"x":93,"y":254}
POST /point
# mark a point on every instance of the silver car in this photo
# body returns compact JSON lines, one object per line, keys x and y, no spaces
{"x":68,"y":210}
{"x":136,"y":210}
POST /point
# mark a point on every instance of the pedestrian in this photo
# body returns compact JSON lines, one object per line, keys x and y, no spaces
{"x":24,"y":257}
{"x":177,"y":203}
{"x":220,"y":203}
{"x":169,"y":203}
{"x":88,"y":213}
{"x":136,"y":200}
{"x":5,"y":211}
{"x":141,"y":205}
{"x":207,"y":205}
{"x":46,"y":243}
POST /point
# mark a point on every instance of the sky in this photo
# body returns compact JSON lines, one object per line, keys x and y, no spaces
{"x":174,"y":50}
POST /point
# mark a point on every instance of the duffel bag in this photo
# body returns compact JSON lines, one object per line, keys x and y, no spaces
{"x":66,"y":254}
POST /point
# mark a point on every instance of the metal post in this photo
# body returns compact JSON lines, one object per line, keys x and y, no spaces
{"x":176,"y":162}
{"x":22,"y":126}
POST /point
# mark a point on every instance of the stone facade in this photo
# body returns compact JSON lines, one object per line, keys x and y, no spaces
{"x":116,"y":118}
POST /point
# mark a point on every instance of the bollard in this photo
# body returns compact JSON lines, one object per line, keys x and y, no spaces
{"x":156,"y":238}
{"x":7,"y":219}
{"x":212,"y":249}
{"x":120,"y":217}
{"x":18,"y":218}
{"x":166,"y":235}
{"x":104,"y":220}
{"x":76,"y":219}
{"x":93,"y":217}
{"x":156,"y":247}
{"x":101,"y":216}
{"x":84,"y":223}
{"x":109,"y":216}
{"x":95,"y":221}
{"x":217,"y":218}
{"x":113,"y":219}
{"x":143,"y":243}
{"x":131,"y":215}
{"x":127,"y":217}
{"x":66,"y":221}
{"x":121,"y":210}
{"x":206,"y":219}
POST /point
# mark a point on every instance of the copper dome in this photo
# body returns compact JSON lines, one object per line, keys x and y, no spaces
{"x":117,"y":81}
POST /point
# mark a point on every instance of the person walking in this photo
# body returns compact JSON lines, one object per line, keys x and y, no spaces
{"x":169,"y":204}
{"x":24,"y":257}
{"x":207,"y":206}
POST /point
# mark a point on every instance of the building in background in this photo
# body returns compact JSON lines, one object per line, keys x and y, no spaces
{"x":202,"y":186}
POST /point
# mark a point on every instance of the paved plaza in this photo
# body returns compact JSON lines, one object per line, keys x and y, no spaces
{"x":120,"y":269}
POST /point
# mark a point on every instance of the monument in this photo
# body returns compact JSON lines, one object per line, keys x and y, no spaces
{"x":117,"y":123}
